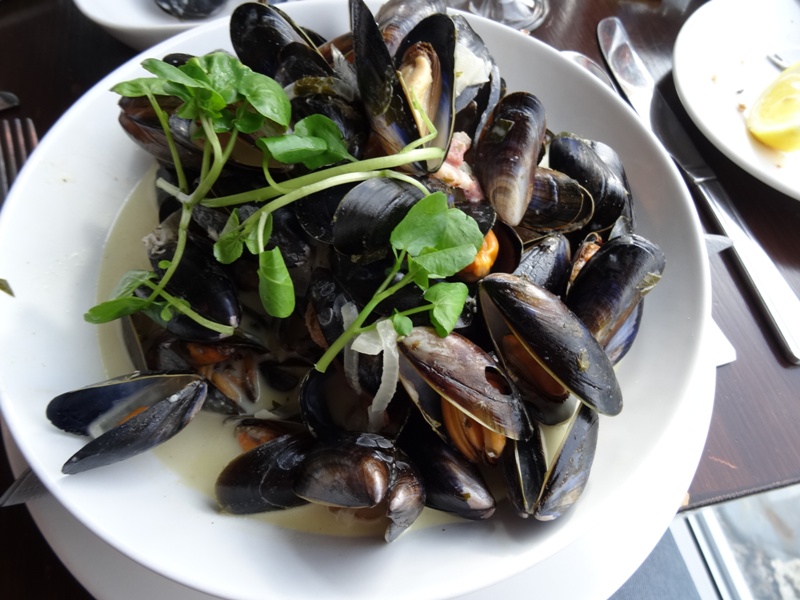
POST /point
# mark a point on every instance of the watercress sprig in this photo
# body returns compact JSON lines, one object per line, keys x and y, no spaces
{"x":433,"y":241}
{"x":226,"y":99}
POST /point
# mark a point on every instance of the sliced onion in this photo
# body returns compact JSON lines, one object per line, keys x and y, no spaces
{"x":391,"y":371}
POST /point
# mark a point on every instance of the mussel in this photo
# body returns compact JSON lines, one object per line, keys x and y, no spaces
{"x":558,"y":344}
{"x":508,"y":152}
{"x":126,"y":415}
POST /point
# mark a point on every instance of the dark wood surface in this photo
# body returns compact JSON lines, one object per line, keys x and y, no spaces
{"x":51,"y":55}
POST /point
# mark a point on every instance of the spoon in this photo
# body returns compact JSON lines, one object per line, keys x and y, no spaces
{"x":590,"y":65}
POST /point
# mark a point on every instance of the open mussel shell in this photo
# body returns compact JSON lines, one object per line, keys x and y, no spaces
{"x":262,"y":478}
{"x":396,"y":18}
{"x":468,"y":378}
{"x":452,"y":483}
{"x":508,"y":151}
{"x":260,"y":33}
{"x":126,"y":415}
{"x":555,"y":339}
{"x":524,"y":468}
{"x":386,"y":96}
{"x":479,"y":85}
{"x":569,"y":470}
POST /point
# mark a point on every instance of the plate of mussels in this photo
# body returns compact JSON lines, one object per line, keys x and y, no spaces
{"x":350,"y":301}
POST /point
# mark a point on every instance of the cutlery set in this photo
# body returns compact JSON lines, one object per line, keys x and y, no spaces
{"x":777,"y":299}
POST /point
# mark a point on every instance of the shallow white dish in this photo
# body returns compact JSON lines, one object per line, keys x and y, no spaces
{"x":140,"y":23}
{"x":721,"y":67}
{"x":646,"y":456}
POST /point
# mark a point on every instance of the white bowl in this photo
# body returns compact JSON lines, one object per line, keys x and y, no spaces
{"x":140,"y":23}
{"x":53,"y":229}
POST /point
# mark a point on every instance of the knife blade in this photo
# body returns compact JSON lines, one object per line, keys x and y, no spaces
{"x":779,"y":302}
{"x":24,"y":488}
{"x":8,"y":100}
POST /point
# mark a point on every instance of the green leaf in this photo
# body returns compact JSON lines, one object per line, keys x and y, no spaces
{"x":6,"y":287}
{"x":221,"y":71}
{"x":423,"y":226}
{"x":275,"y":285}
{"x":266,"y":96}
{"x":168,"y":72}
{"x":402,"y":324}
{"x":247,"y":120}
{"x":292,"y":149}
{"x":229,"y":246}
{"x":321,"y":127}
{"x":461,"y":229}
{"x":252,"y":239}
{"x":131,"y":281}
{"x":444,"y":263}
{"x":448,"y":300}
{"x":144,"y":86}
{"x":114,"y":309}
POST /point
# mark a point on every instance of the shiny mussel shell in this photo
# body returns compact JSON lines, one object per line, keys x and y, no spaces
{"x":468,"y":378}
{"x":126,"y":415}
{"x":556,"y":339}
{"x":569,"y":472}
{"x":386,"y":97}
{"x":613,"y":282}
{"x":363,"y":470}
{"x":581,"y":160}
{"x":262,"y":479}
{"x":507,"y":154}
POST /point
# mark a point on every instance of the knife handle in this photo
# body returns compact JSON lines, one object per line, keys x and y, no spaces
{"x":779,"y":302}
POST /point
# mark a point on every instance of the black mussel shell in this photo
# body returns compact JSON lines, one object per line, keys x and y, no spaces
{"x":161,"y":405}
{"x":613,"y":282}
{"x":546,"y":263}
{"x":452,"y":483}
{"x":191,"y":9}
{"x":570,"y":470}
{"x":468,"y":377}
{"x":262,"y":479}
{"x":352,"y":471}
{"x":556,"y":339}
{"x":508,"y":151}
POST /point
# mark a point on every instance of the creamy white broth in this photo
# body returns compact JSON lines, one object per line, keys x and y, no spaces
{"x":200,"y":452}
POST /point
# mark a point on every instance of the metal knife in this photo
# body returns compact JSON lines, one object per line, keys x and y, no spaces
{"x":25,"y":487}
{"x":8,"y":100}
{"x":780,"y":303}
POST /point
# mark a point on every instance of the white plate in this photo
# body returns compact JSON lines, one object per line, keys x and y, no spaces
{"x":721,"y":67}
{"x":140,"y":23}
{"x":646,"y":456}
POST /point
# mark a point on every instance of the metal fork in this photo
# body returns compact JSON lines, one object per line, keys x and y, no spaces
{"x":18,"y":138}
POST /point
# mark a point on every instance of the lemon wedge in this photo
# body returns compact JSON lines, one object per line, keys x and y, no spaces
{"x":774,"y":118}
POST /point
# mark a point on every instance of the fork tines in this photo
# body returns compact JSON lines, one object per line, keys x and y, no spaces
{"x":18,"y":138}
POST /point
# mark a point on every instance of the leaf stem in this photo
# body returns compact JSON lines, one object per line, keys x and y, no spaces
{"x":383,"y":292}
{"x":381,"y":163}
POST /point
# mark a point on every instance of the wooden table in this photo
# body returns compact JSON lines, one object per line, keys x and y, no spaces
{"x":51,"y":55}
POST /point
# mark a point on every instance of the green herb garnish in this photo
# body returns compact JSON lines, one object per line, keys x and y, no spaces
{"x":225,"y":99}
